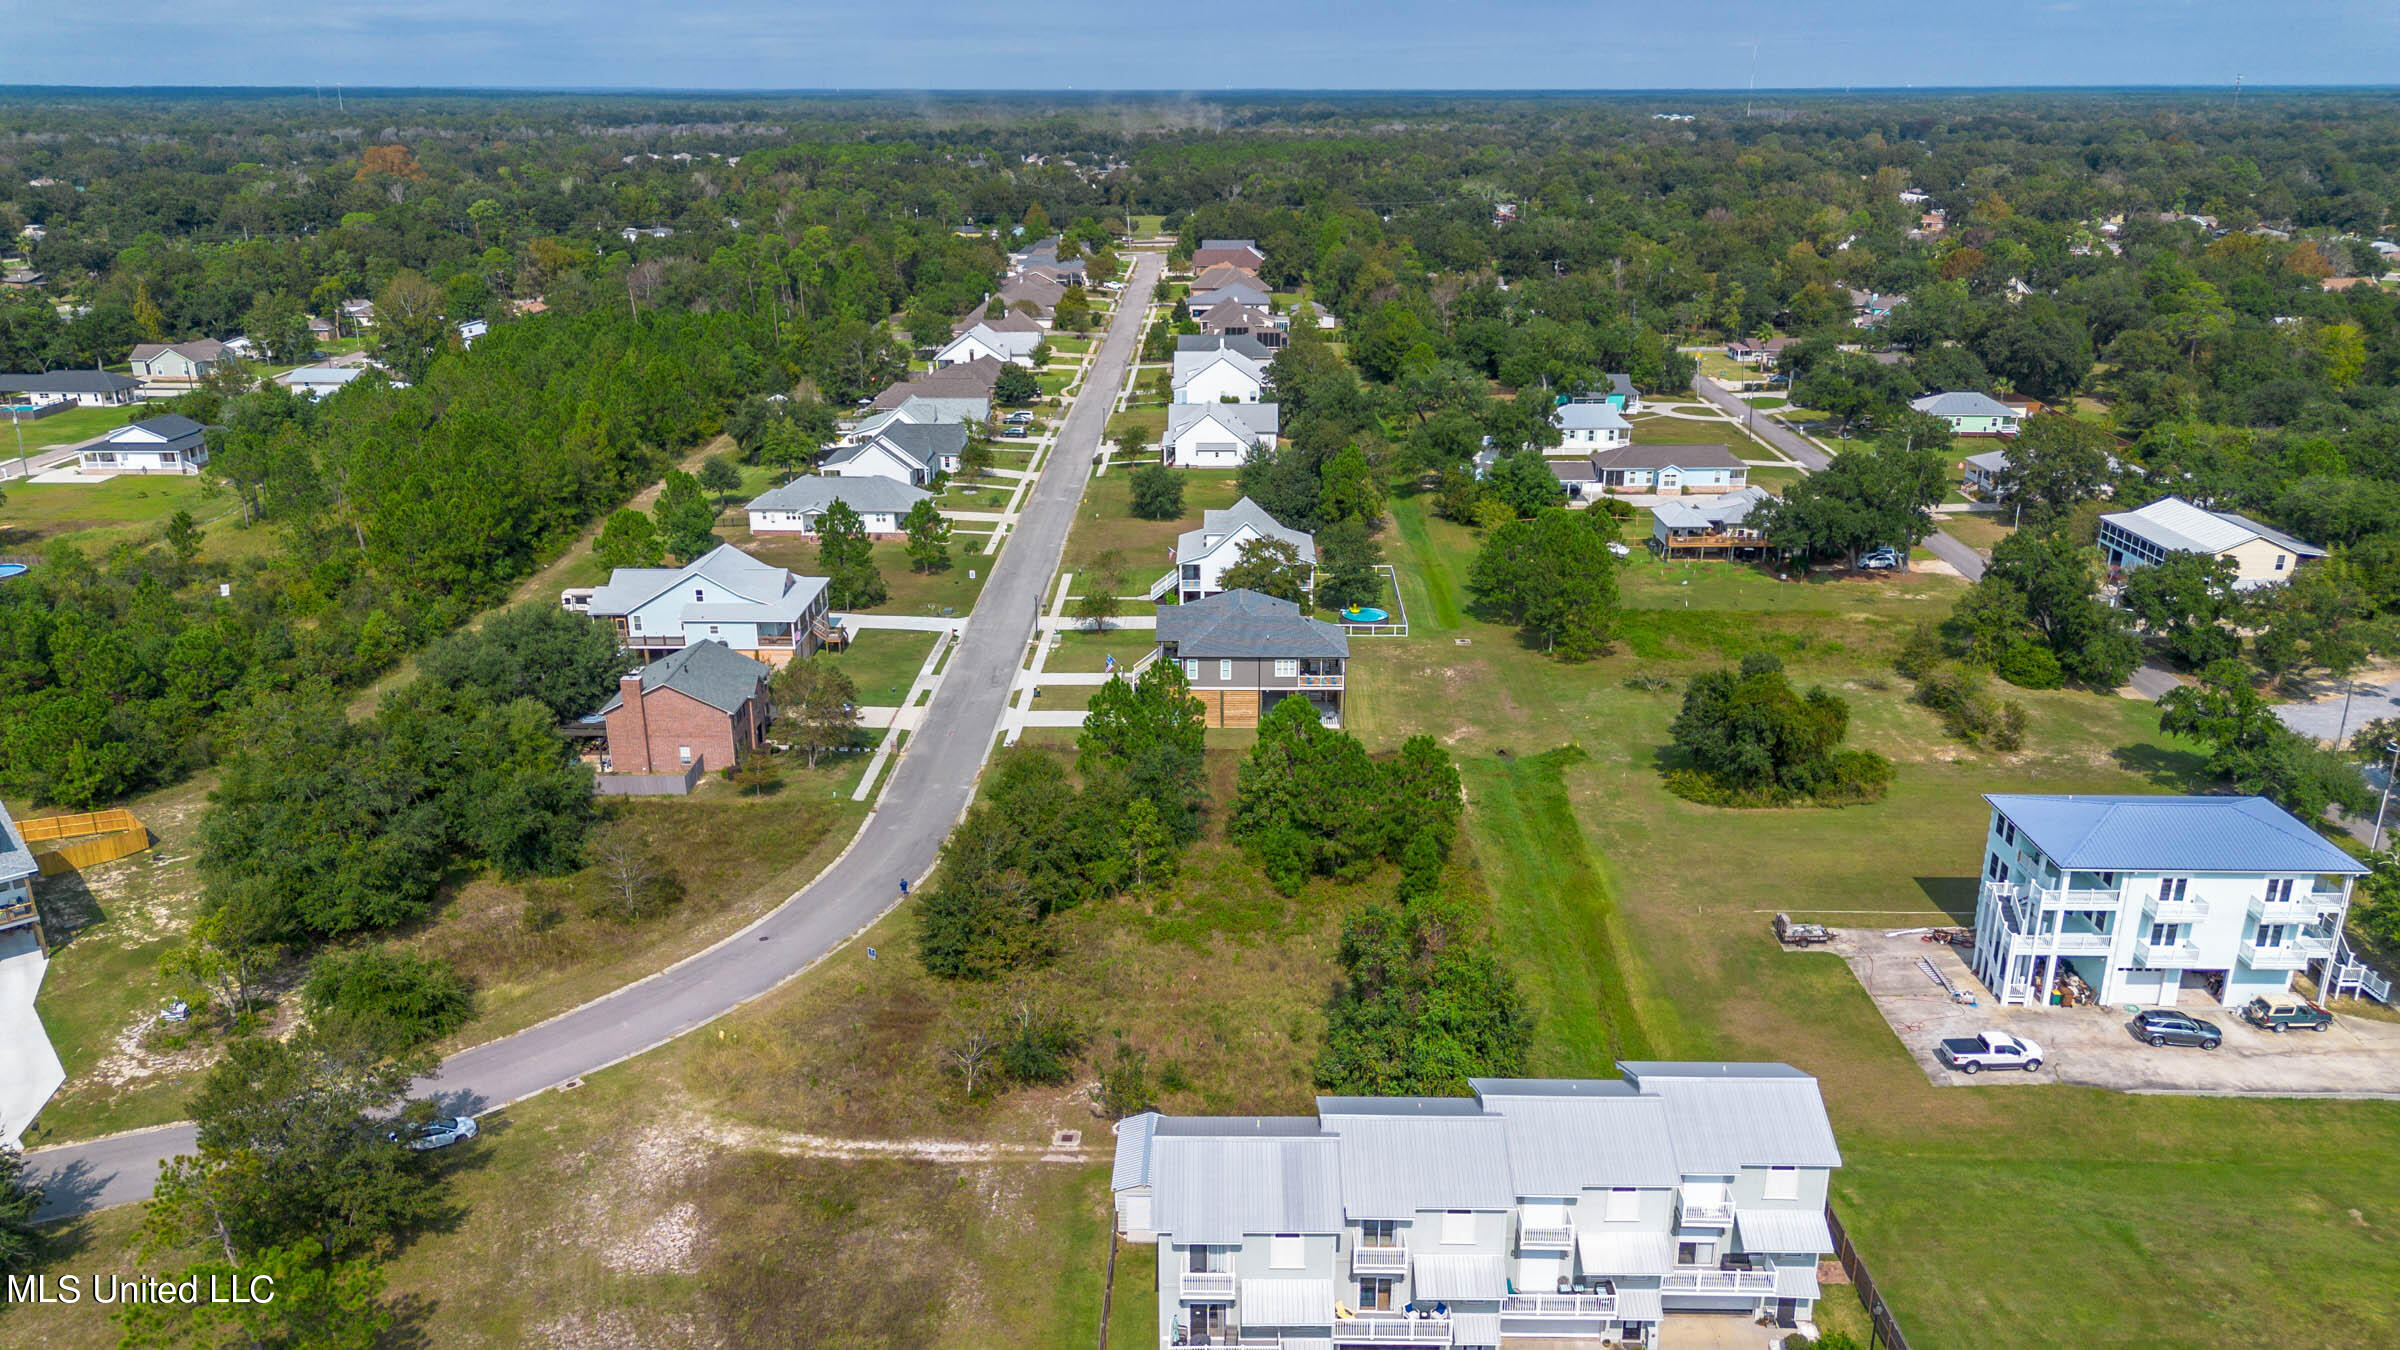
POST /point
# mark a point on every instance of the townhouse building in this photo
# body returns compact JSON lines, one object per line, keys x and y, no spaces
{"x":1564,"y":1210}
{"x":2154,"y":900}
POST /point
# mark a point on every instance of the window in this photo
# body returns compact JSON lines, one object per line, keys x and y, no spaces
{"x":683,"y":753}
{"x":637,"y":623}
{"x":1379,"y":1232}
{"x":1375,"y":1293}
{"x":2279,"y":890}
{"x":1191,"y":670}
{"x":2008,"y":830}
{"x":2279,"y":562}
{"x":1285,"y":1252}
{"x":2271,"y":934}
{"x":1458,"y":1227}
{"x":1286,"y":667}
{"x":2170,"y":889}
{"x":1783,"y":1183}
{"x":1695,"y":1253}
{"x":2165,"y":934}
{"x":699,"y":593}
{"x":1225,"y":669}
{"x":1624,"y":1205}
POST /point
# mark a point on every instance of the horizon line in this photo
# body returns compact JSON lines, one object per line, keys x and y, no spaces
{"x":1689,"y":91}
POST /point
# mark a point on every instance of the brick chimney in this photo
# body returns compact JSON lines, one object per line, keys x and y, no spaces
{"x":623,"y":751}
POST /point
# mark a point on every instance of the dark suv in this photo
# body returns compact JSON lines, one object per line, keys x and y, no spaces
{"x":2165,"y":1026}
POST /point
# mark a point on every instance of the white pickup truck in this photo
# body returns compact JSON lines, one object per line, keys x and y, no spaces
{"x":1988,"y":1050}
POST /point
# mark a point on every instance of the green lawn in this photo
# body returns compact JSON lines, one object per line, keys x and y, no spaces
{"x":1977,"y":531}
{"x":76,"y":424}
{"x":103,"y":512}
{"x":1774,"y":478}
{"x":1087,"y":651}
{"x":1663,"y":430}
{"x":1137,"y":428}
{"x":883,"y":662}
{"x":911,"y":592}
{"x":1054,"y":381}
{"x":1638,"y":920}
{"x":1106,"y":521}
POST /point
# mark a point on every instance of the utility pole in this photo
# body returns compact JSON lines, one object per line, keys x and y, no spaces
{"x":2394,"y":767}
{"x":1753,"y":93}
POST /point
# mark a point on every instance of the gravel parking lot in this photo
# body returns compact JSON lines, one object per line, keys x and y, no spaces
{"x":2093,"y":1046}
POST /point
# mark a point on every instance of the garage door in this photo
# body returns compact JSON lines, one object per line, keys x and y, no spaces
{"x":2148,"y":987}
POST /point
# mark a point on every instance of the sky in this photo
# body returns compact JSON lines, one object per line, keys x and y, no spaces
{"x":1195,"y":47}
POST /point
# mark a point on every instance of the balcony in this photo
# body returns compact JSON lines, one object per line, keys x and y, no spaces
{"x":1546,"y":1236}
{"x":1715,"y":1211}
{"x":1582,"y":1306}
{"x":2165,"y":955}
{"x":17,"y":912}
{"x":1379,"y":1260}
{"x":2303,"y":908}
{"x":2178,"y":911}
{"x":2075,"y":940}
{"x":1320,"y":681}
{"x":2292,"y":955}
{"x":1207,"y":1286}
{"x":1391,"y":1329}
{"x":1710,"y":1280}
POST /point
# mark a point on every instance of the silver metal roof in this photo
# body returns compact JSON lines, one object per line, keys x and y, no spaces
{"x":1132,"y":1167}
{"x":2177,"y":526}
{"x":1393,"y":1167}
{"x":1628,"y":1253}
{"x":1219,"y":1190}
{"x":1724,"y":1117}
{"x":1287,"y":1302}
{"x":1783,"y":1230}
{"x":1463,"y":1275}
{"x":1561,"y":1145}
{"x":16,"y":860}
{"x":2172,"y":834}
{"x":1704,"y":513}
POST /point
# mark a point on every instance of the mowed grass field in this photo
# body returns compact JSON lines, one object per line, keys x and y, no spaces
{"x":1639,"y":924}
{"x":1105,"y":520}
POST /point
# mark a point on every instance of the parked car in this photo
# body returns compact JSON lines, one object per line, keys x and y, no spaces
{"x":1018,"y":433}
{"x":1880,"y":559}
{"x":1988,"y":1050}
{"x":439,"y":1132}
{"x":2286,"y":1015}
{"x":1018,"y":418}
{"x":2165,"y":1026}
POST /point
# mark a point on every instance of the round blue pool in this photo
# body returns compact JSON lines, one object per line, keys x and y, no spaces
{"x":1365,"y":614}
{"x":8,"y":570}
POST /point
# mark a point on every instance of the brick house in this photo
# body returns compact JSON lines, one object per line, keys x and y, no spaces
{"x":706,"y":704}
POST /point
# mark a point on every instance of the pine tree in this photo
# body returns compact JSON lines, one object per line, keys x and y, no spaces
{"x":928,"y":537}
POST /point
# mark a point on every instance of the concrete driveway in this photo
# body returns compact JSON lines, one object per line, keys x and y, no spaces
{"x":29,"y":1068}
{"x":1712,"y":1331}
{"x":2093,"y":1047}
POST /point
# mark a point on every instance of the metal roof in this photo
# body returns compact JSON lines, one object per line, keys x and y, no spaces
{"x":1213,"y":1189}
{"x":1703,"y":513}
{"x":2177,"y":526}
{"x":1640,"y":1305}
{"x":1247,"y":624}
{"x":1132,"y":1167}
{"x":1783,"y":1230}
{"x":1464,"y":1275}
{"x":69,"y":382}
{"x":1249,"y":421}
{"x":1286,"y":1302}
{"x":864,"y":494}
{"x":1604,"y":1252}
{"x":1665,"y":456}
{"x":1799,"y":1281}
{"x":1724,"y":1117}
{"x":1590,"y":417}
{"x":1394,"y":1166}
{"x":1962,"y":403}
{"x":1471,"y":1328}
{"x":1561,"y":1145}
{"x":2172,"y":834}
{"x":16,"y":860}
{"x":1218,"y":526}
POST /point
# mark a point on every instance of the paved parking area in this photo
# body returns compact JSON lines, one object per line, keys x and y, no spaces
{"x":2093,"y":1046}
{"x":1711,"y":1331}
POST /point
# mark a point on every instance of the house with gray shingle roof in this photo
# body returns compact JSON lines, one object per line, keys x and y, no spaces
{"x":1218,"y":435}
{"x":760,"y":610}
{"x":1970,"y":413}
{"x":1202,"y":555}
{"x":91,"y":388}
{"x":167,"y":444}
{"x":1546,"y":1211}
{"x":881,"y":504}
{"x":166,"y":367}
{"x":704,"y":707}
{"x":2154,"y":900}
{"x":1243,"y":653}
{"x":906,"y":452}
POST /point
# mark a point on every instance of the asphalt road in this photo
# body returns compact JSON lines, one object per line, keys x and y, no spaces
{"x":929,"y":789}
{"x":1796,"y":446}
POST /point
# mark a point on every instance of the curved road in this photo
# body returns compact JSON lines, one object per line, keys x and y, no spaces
{"x":928,"y":790}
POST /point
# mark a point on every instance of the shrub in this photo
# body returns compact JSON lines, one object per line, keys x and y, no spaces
{"x":1920,"y":653}
{"x":397,"y":998}
{"x":2028,"y":665}
{"x":1124,"y":1086}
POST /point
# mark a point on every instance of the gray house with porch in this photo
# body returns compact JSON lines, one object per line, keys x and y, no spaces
{"x":1243,"y":653}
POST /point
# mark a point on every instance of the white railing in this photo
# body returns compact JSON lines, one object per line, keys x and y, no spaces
{"x":1714,"y":1281}
{"x":1559,"y":1305}
{"x":2292,"y":955}
{"x":2150,"y":953}
{"x":2301,"y":909}
{"x":1162,"y":585}
{"x":1708,"y":1211}
{"x":1379,"y":1260}
{"x":2178,"y":911}
{"x":1546,"y":1235}
{"x":1212,"y":1285}
{"x":1396,"y":1329}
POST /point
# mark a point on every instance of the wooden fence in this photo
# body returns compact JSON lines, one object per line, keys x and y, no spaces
{"x":61,"y":843}
{"x":1884,"y":1333}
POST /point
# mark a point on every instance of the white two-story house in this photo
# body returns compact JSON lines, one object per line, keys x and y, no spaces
{"x":1586,"y":427}
{"x":1553,"y":1210}
{"x":1218,"y":435}
{"x":2149,"y":900}
{"x":766,"y":613}
{"x":1224,"y":375}
{"x":1202,"y":555}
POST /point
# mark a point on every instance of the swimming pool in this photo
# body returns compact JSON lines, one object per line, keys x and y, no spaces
{"x":8,"y":570}
{"x":1364,"y":614}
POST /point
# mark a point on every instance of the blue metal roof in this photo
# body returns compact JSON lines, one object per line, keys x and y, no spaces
{"x":2172,"y":834}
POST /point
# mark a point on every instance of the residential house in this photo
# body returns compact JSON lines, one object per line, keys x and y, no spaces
{"x":17,"y":871}
{"x":1244,"y":652}
{"x":1982,"y":474}
{"x":905,"y":452}
{"x":881,"y":503}
{"x":990,"y":342}
{"x":1201,"y":303}
{"x":1616,"y":391}
{"x":764,"y":612}
{"x":1931,"y":223}
{"x":1202,"y":555}
{"x":1540,"y":1211}
{"x":967,"y":379}
{"x":1248,"y":345}
{"x":89,"y":388}
{"x":2261,"y":556}
{"x":1221,"y":375}
{"x":471,"y":329}
{"x":1011,"y":322}
{"x":1970,"y":413}
{"x":171,"y":367}
{"x":1225,"y":274}
{"x":1586,"y":427}
{"x":1218,"y":435}
{"x":320,"y":330}
{"x":359,"y":313}
{"x":922,"y":408}
{"x":1872,"y":307}
{"x":22,"y":278}
{"x":1668,"y":470}
{"x":636,"y":233}
{"x":705,"y":706}
{"x":317,"y":381}
{"x":165,"y":444}
{"x":33,"y":233}
{"x":2152,"y":900}
{"x":1241,"y":253}
{"x":1036,"y":295}
{"x":1750,"y":353}
{"x":1914,"y":197}
{"x":1245,"y":321}
{"x":1708,"y":526}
